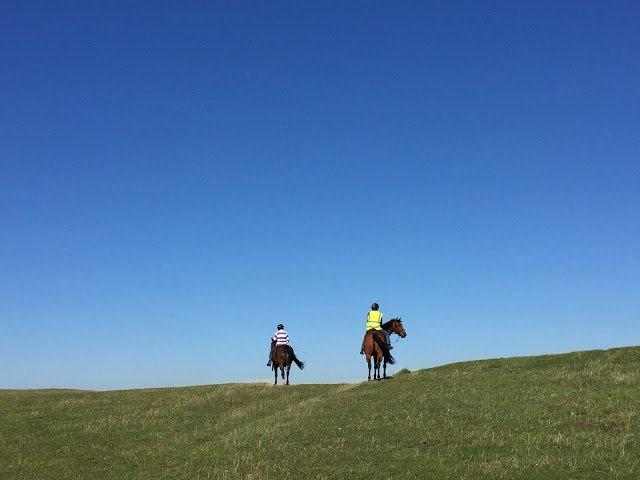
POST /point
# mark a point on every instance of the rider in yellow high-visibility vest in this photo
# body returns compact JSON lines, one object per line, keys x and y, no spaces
{"x":374,"y":322}
{"x":374,"y":318}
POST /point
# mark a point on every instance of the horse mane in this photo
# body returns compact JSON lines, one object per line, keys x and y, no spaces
{"x":386,"y":324}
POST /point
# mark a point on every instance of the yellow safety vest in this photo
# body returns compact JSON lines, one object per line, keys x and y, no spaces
{"x":374,"y":320}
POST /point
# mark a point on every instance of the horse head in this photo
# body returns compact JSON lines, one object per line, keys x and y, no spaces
{"x":395,"y":326}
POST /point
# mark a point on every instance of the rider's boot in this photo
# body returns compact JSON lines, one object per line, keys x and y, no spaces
{"x":387,"y":337}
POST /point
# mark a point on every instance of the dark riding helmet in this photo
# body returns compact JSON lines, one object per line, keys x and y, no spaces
{"x":375,"y":306}
{"x":280,"y":326}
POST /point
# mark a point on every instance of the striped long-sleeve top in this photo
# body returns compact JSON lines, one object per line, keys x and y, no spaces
{"x":281,"y":337}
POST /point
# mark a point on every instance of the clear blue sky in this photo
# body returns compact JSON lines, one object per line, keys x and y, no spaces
{"x":176,"y":180}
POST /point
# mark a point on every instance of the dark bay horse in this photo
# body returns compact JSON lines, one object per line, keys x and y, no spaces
{"x":282,"y":357}
{"x":375,"y":346}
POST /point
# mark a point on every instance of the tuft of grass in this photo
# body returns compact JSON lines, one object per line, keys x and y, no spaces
{"x":571,"y":416}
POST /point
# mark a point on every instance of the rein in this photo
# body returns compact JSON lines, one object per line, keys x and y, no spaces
{"x":397,"y":337}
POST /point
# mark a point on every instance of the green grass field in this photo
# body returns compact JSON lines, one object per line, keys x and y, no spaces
{"x":569,"y":416}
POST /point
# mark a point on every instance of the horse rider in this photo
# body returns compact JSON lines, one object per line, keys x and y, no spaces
{"x":281,"y":337}
{"x":374,"y":322}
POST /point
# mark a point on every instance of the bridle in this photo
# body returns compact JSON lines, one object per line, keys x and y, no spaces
{"x":398,"y":337}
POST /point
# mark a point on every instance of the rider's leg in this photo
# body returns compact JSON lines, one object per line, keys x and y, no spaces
{"x":387,"y":337}
{"x":362,"y":347}
{"x":273,"y":344}
{"x":270,"y":357}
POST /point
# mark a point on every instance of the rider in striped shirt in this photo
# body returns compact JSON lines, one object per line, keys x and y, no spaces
{"x":281,"y":337}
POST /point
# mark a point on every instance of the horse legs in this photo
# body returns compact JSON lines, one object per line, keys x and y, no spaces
{"x":275,"y":371}
{"x":288,"y":370}
{"x":384,"y":369}
{"x":369,"y":365}
{"x":377,"y":369}
{"x":283,"y":366}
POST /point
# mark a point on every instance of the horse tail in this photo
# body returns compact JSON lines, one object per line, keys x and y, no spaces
{"x":295,"y":359}
{"x":385,"y":350}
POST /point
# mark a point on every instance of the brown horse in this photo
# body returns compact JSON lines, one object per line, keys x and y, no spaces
{"x":375,"y":346}
{"x":282,"y":357}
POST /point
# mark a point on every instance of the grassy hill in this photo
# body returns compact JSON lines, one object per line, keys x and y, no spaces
{"x":569,"y":416}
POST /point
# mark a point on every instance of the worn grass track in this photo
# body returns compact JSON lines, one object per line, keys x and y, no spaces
{"x":571,"y":416}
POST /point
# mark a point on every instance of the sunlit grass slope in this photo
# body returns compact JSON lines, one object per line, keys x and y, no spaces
{"x":569,"y":416}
